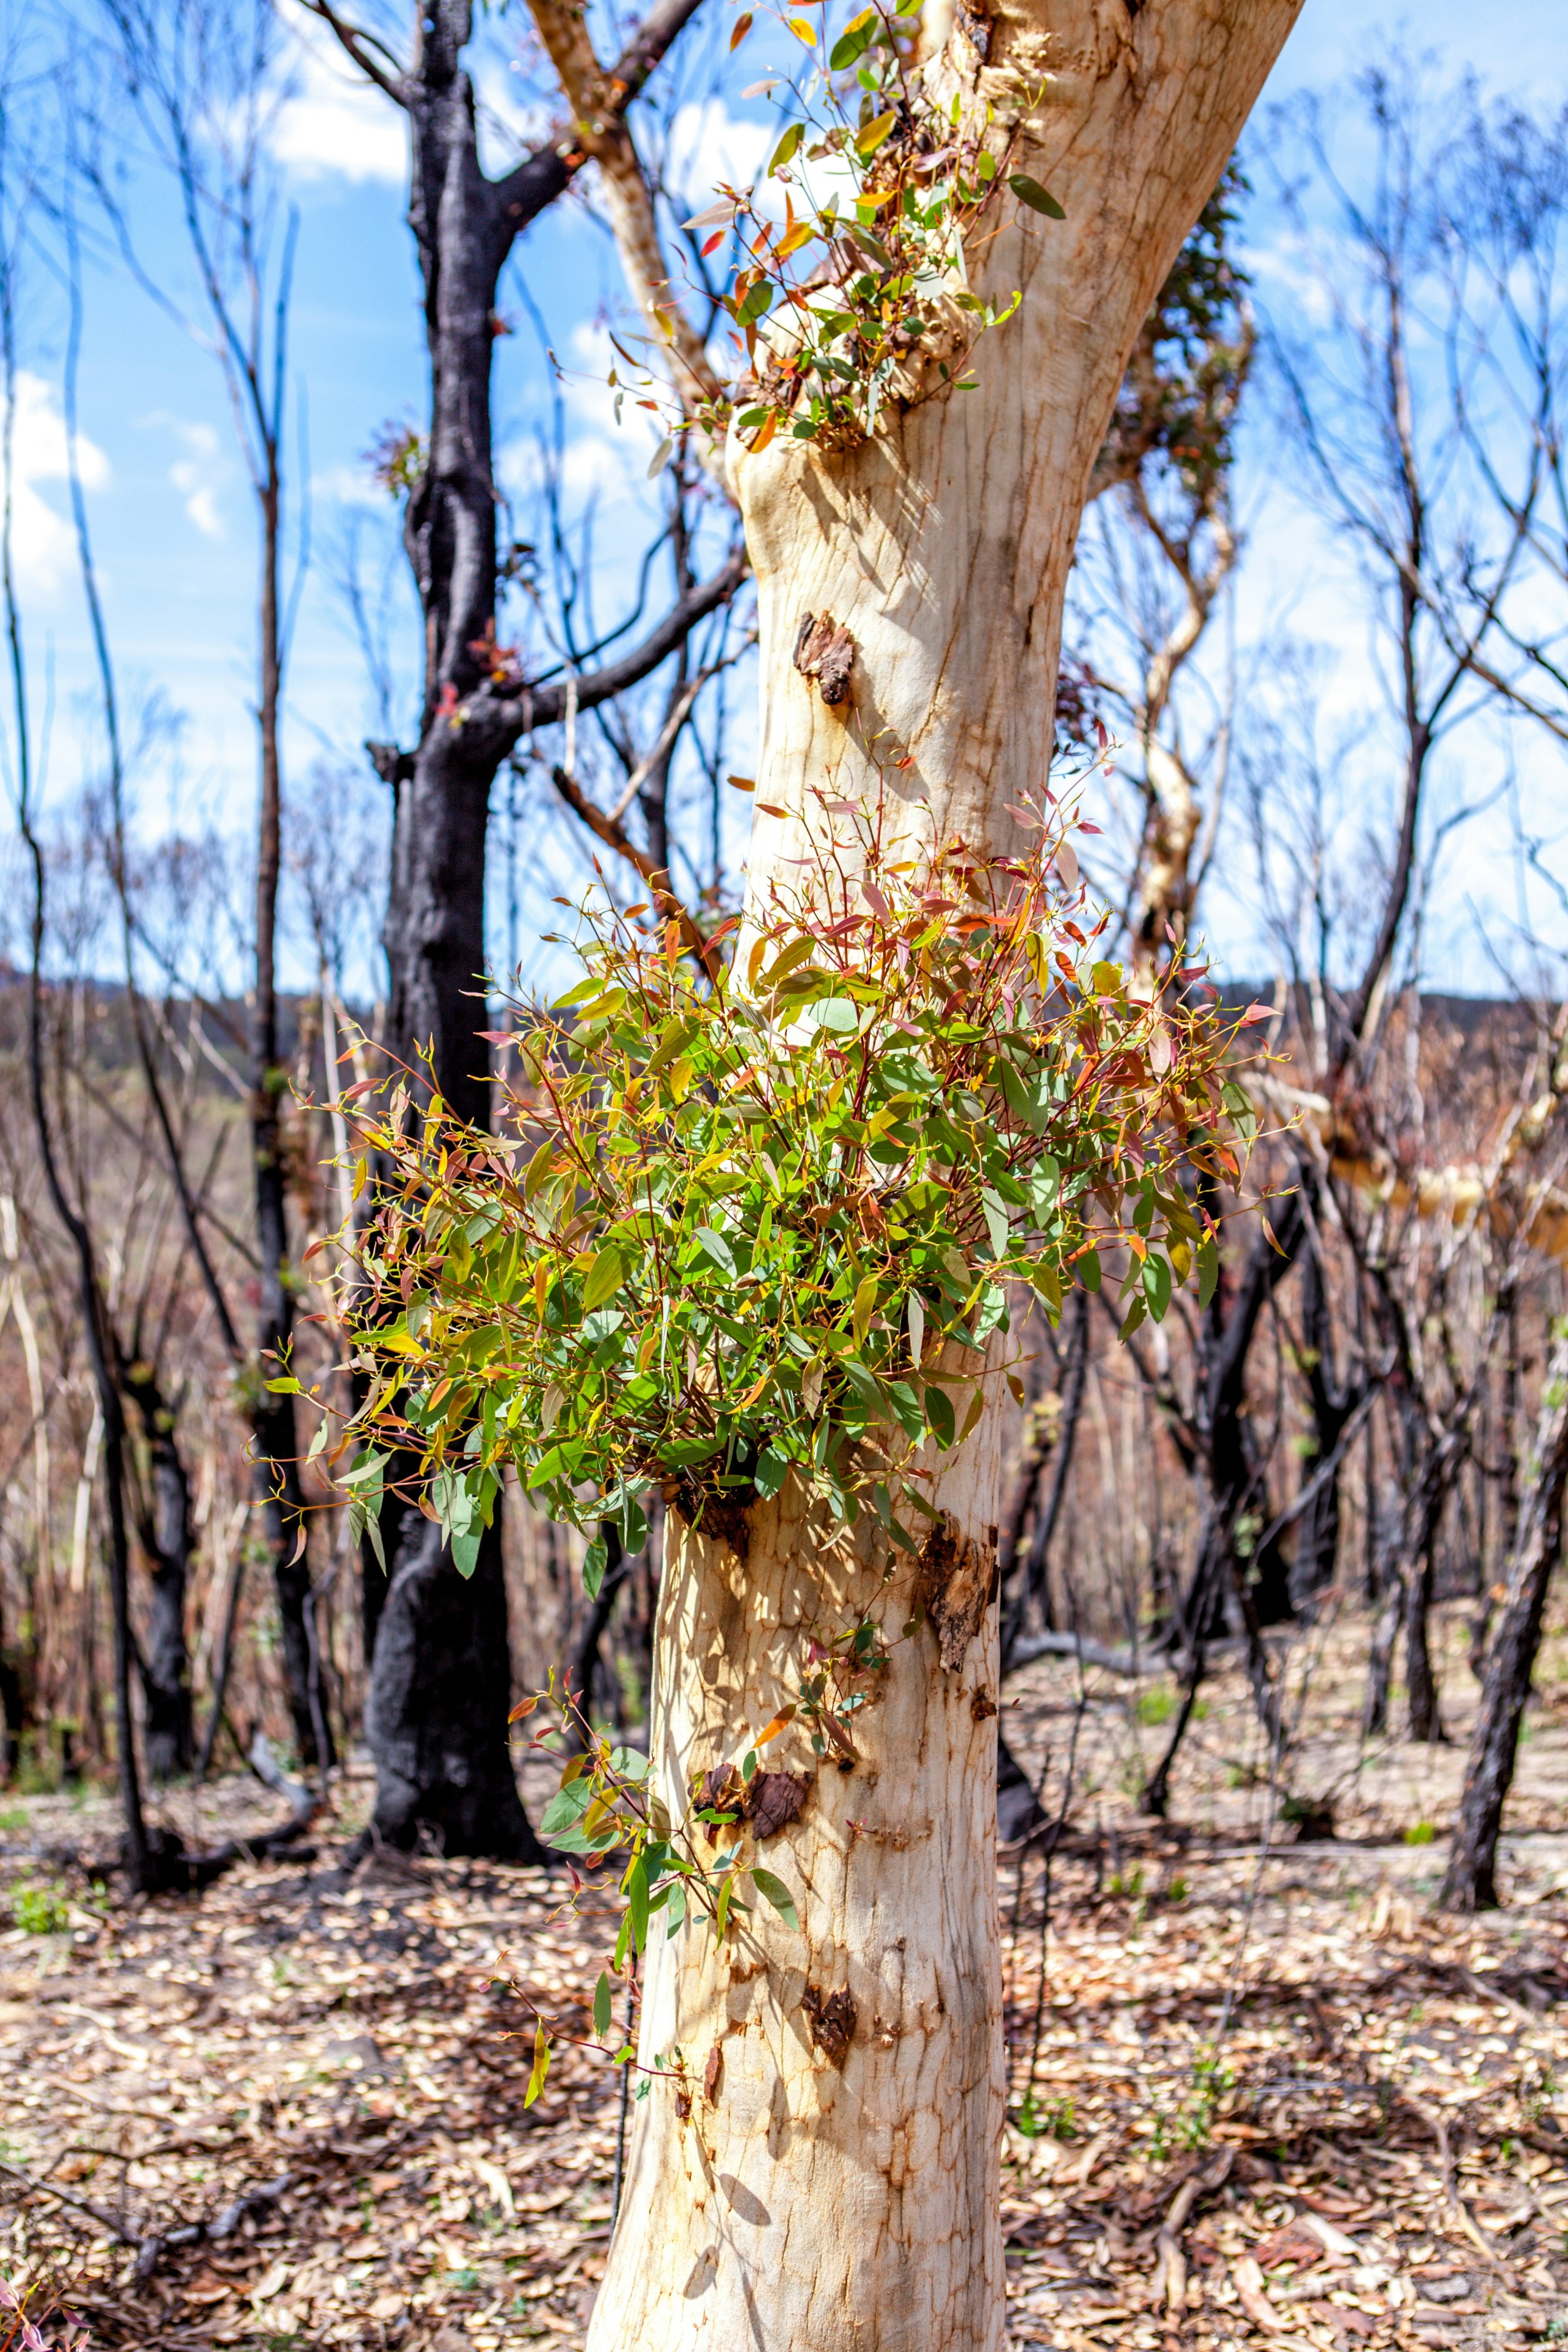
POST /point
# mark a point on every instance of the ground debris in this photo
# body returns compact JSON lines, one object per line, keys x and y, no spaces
{"x":1278,"y":2039}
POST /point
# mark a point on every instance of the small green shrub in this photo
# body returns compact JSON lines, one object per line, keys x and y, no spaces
{"x":1420,"y":1833}
{"x":40,"y":1910}
{"x":1155,"y":1707}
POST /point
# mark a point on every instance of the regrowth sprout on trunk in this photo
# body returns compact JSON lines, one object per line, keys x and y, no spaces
{"x":736,"y":1226}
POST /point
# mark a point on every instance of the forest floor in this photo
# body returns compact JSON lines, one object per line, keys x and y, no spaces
{"x":1268,"y":2095}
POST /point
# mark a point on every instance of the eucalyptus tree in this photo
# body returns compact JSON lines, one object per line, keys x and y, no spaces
{"x":924,"y":400}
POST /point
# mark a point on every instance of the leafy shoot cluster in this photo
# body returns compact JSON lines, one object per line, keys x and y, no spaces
{"x":858,"y":299}
{"x":740,"y":1225}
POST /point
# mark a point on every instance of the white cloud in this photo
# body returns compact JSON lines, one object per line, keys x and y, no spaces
{"x":590,"y":463}
{"x":350,"y":486}
{"x":42,"y":541}
{"x":708,"y":143}
{"x":336,"y":125}
{"x":200,"y":474}
{"x":196,"y":477}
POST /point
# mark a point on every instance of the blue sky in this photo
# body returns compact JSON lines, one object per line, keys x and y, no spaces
{"x":171,"y":509}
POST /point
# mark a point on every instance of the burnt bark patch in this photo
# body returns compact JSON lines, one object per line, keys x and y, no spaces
{"x":825,"y":651}
{"x":952,"y":1585}
{"x":832,"y":2018}
{"x":713,"y":2074}
{"x":973,"y":20}
{"x":774,"y":1800}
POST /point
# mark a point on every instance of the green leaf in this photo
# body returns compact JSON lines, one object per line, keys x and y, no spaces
{"x":465,"y":1552}
{"x":775,"y":1892}
{"x":939,"y":1414}
{"x":755,"y":303}
{"x":864,"y":1308}
{"x":786,"y":147}
{"x":993,"y":1313}
{"x":637,"y":1901}
{"x":567,"y":1807}
{"x":1208,"y":1269}
{"x":1030,"y":191}
{"x":855,"y":40}
{"x":287,"y":1386}
{"x":1157,"y":1284}
{"x":872,"y":137}
{"x":835,"y":1014}
{"x":1088,"y":1270}
{"x":772,"y":1469}
{"x":603,"y":1279}
{"x":595,"y":1560}
{"x":604,"y":1995}
{"x":716,"y":1248}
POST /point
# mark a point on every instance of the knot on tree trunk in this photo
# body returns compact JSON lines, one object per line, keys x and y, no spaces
{"x":952,"y":1585}
{"x":826,"y":652}
{"x":832,"y":2018}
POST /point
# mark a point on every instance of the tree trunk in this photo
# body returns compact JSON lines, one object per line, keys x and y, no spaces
{"x":1380,"y":1656}
{"x":1425,"y":1721}
{"x":165,"y":1534}
{"x":464,"y":226}
{"x":1470,"y":1884}
{"x":838,"y":2184}
{"x":838,"y":2187}
{"x":274,"y":1445}
{"x":1316,"y":1562}
{"x":439,"y":1683}
{"x":435,"y":1714}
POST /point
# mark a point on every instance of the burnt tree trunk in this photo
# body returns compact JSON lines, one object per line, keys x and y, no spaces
{"x":165,"y":1536}
{"x":435,"y":1712}
{"x":1235,"y":1475}
{"x":439,"y":1678}
{"x":1316,"y":1561}
{"x":1426,"y":1722}
{"x":273,"y":1444}
{"x":1470,"y":1884}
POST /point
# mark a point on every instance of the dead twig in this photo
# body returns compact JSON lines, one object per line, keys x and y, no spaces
{"x":1168,"y":2284}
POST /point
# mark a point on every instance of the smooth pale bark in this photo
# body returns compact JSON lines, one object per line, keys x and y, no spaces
{"x":824,"y":2196}
{"x":944,"y":545}
{"x":847,"y":2200}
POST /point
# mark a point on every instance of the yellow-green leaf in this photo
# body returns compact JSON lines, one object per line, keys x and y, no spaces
{"x":540,"y":2067}
{"x":605,"y":1276}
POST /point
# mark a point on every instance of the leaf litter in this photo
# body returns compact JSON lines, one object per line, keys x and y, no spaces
{"x":1274,"y":2102}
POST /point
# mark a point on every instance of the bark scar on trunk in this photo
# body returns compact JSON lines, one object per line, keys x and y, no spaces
{"x":825,"y":651}
{"x":832,"y":2017}
{"x":953,"y":1584}
{"x":972,"y":19}
{"x":769,"y":1801}
{"x":722,"y":1518}
{"x":774,"y":1800}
